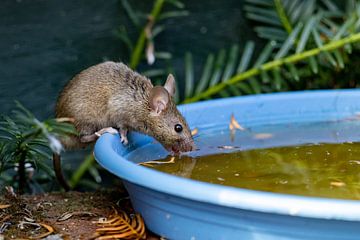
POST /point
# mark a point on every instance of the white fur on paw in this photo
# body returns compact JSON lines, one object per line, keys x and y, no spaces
{"x":111,"y":130}
{"x":124,"y":141}
{"x":106,"y":130}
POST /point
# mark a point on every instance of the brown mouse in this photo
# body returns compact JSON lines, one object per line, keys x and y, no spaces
{"x":110,"y":97}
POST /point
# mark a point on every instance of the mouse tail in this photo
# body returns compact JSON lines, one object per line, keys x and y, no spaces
{"x":58,"y":172}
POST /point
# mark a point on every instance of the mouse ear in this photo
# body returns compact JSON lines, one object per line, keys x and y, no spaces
{"x":170,"y":84}
{"x":158,"y":100}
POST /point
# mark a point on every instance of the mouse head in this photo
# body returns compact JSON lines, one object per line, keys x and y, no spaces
{"x":167,"y":124}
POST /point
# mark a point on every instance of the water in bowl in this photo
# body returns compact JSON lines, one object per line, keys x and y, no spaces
{"x":313,"y":159}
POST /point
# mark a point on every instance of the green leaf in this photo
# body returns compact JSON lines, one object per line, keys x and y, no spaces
{"x":172,"y":14}
{"x":293,"y":71}
{"x":124,"y":37}
{"x":265,"y":54}
{"x":234,"y":91}
{"x":330,"y":5}
{"x":271,"y":33}
{"x":95,"y":174}
{"x":255,"y":85}
{"x":319,"y":43}
{"x":189,"y":75}
{"x":343,"y":29}
{"x":157,"y":30}
{"x":264,"y":19}
{"x":244,"y":87}
{"x":311,"y":23}
{"x":264,"y":76}
{"x":220,"y":60}
{"x":176,"y":3}
{"x":277,"y":78}
{"x":230,"y":66}
{"x":289,"y":43}
{"x":266,"y":3}
{"x":260,"y":11}
{"x":163,"y":55}
{"x":313,"y":65}
{"x":307,"y":10}
{"x":339,"y":58}
{"x":246,"y":56}
{"x":224,"y":93}
{"x":205,"y":76}
{"x":45,"y":167}
{"x":130,"y":12}
{"x":154,"y":73}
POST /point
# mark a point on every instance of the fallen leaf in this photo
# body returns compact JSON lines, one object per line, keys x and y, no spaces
{"x":121,"y":226}
{"x":48,"y":227}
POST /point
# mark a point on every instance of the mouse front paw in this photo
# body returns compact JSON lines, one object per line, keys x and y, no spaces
{"x":106,"y":130}
{"x":123,"y":136}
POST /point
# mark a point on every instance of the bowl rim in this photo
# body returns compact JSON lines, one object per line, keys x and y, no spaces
{"x":108,"y":155}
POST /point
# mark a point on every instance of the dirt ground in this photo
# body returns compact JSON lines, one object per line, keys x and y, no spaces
{"x":71,"y":215}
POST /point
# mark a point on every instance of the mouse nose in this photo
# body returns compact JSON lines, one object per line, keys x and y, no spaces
{"x":190,"y":147}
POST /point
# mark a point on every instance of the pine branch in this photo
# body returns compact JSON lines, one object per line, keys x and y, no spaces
{"x":275,"y":64}
{"x":282,"y":15}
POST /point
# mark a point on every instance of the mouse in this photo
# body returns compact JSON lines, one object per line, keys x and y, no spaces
{"x":112,"y":98}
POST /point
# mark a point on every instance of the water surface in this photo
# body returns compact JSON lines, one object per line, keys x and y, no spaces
{"x":317,"y":159}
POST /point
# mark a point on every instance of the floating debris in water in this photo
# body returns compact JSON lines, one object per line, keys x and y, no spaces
{"x":354,"y":161}
{"x":194,"y":131}
{"x":338,"y":184}
{"x":148,"y":163}
{"x":262,"y":136}
{"x":227,"y":147}
{"x":234,"y":124}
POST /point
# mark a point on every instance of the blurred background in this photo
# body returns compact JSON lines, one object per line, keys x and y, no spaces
{"x":45,"y":43}
{"x":214,"y":48}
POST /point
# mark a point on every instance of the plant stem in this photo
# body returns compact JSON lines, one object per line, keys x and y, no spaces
{"x":282,"y":15}
{"x":85,"y":165}
{"x":22,"y":173}
{"x":275,"y":64}
{"x":140,"y":44}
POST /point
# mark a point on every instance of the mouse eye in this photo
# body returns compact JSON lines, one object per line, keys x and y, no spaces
{"x":178,"y":128}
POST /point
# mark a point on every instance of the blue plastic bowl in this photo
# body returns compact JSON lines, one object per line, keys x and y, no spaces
{"x":179,"y":208}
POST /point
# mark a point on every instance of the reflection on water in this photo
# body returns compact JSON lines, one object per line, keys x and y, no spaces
{"x":320,"y":159}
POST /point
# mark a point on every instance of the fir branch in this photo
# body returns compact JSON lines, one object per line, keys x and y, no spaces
{"x":282,"y":15}
{"x":274,"y":64}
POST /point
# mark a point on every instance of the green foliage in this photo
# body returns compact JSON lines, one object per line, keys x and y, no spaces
{"x":309,"y":42}
{"x":149,"y":26}
{"x":26,"y":144}
{"x":305,"y":38}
